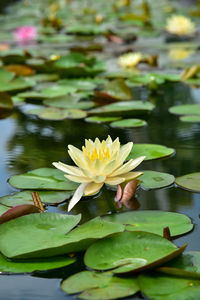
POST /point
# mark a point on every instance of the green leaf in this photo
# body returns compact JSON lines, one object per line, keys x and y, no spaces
{"x":190,"y":182}
{"x":56,"y":114}
{"x":155,"y":180}
{"x":186,"y":265}
{"x":3,"y":209}
{"x":130,"y":251}
{"x":161,"y":287}
{"x":99,"y":120}
{"x":17,"y":84}
{"x":57,"y":91}
{"x":69,"y":101}
{"x":99,"y":286}
{"x":124,"y":108}
{"x":35,"y":265}
{"x":129,"y":123}
{"x":185,"y":109}
{"x":151,"y":151}
{"x":49,"y":197}
{"x":153,"y":221}
{"x":47,"y":230}
{"x":190,"y":119}
{"x":5,"y":101}
{"x":115,"y":90}
{"x":42,"y":179}
{"x":6,"y":76}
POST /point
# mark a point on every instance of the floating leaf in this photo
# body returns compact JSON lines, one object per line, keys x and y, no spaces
{"x":190,"y":119}
{"x":5,"y":101}
{"x":185,"y":109}
{"x":17,"y":84}
{"x":99,"y":286}
{"x":158,"y":287}
{"x":98,"y":119}
{"x":57,"y":90}
{"x":6,"y":76}
{"x":35,"y":265}
{"x":115,"y":90}
{"x":153,"y":221}
{"x":155,"y":180}
{"x":69,"y":101}
{"x":3,"y":209}
{"x":49,"y":197}
{"x":124,"y":108}
{"x":190,"y":182}
{"x":56,"y":114}
{"x":130,"y":251}
{"x":53,"y":229}
{"x":20,"y":70}
{"x":129,"y":123}
{"x":42,"y":179}
{"x":151,"y":151}
{"x":18,"y":211}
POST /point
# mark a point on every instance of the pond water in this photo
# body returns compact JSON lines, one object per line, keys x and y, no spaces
{"x":27,"y":143}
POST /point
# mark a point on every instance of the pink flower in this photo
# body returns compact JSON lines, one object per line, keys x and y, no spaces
{"x":25,"y":34}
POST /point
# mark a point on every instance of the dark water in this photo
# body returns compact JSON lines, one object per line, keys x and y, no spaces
{"x":27,"y":143}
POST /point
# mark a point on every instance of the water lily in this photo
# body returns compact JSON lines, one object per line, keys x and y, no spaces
{"x":24,"y":34}
{"x":180,"y":54}
{"x":129,"y":60}
{"x":180,"y":25}
{"x":99,"y":163}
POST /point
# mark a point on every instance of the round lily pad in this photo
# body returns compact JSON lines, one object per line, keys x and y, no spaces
{"x":99,"y":286}
{"x":155,"y":180}
{"x":153,"y":221}
{"x":161,"y":287}
{"x":185,"y":109}
{"x":42,"y":179}
{"x":190,"y":182}
{"x":49,"y":197}
{"x":130,"y":252}
{"x":129,"y":123}
{"x":151,"y":151}
{"x":35,"y":265}
{"x":190,"y":119}
{"x":3,"y":209}
{"x":98,"y":119}
{"x":186,"y":265}
{"x":54,"y":113}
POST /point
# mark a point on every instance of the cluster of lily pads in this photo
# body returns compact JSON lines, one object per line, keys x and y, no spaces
{"x":70,"y":70}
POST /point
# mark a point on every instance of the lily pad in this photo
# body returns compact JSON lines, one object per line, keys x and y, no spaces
{"x":99,"y":120}
{"x":49,"y":197}
{"x":130,"y":252}
{"x":5,"y":101}
{"x":153,"y":221}
{"x":124,"y":108}
{"x":129,"y":123}
{"x":17,"y":84}
{"x":162,"y":287}
{"x":185,"y":109}
{"x":190,"y":182}
{"x":69,"y":101}
{"x":99,"y":286}
{"x":35,"y":265}
{"x":42,"y":179}
{"x":3,"y":209}
{"x":186,"y":265}
{"x":151,"y":151}
{"x":56,"y":114}
{"x":190,"y":118}
{"x":54,"y":230}
{"x":155,"y":180}
{"x":57,"y":90}
{"x":115,"y":90}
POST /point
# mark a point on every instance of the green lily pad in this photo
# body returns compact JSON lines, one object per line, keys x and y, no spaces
{"x":115,"y":90}
{"x":130,"y":252}
{"x":155,"y":180}
{"x":42,"y":179}
{"x":56,"y":114}
{"x":129,"y":123}
{"x":57,"y":90}
{"x":49,"y":197}
{"x":44,"y":77}
{"x":48,"y":227}
{"x":99,"y":120}
{"x":57,"y":241}
{"x":186,"y":265}
{"x":17,"y":84}
{"x":5,"y":101}
{"x":185,"y":109}
{"x":153,"y":221}
{"x":190,"y":182}
{"x":83,"y":84}
{"x":190,"y":119}
{"x":3,"y":209}
{"x":6,"y":76}
{"x":124,"y":108}
{"x":151,"y":151}
{"x":69,"y":101}
{"x":99,"y":286}
{"x":162,"y":287}
{"x":35,"y":265}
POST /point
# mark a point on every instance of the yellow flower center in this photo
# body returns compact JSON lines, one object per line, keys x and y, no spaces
{"x":98,"y":153}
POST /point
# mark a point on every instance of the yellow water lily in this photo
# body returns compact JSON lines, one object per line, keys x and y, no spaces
{"x":180,"y":25}
{"x":99,"y":163}
{"x":129,"y":60}
{"x":179,"y":54}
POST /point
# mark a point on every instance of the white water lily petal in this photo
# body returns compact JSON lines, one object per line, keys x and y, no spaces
{"x":79,"y":160}
{"x":79,"y":179}
{"x":114,"y":180}
{"x":77,"y":195}
{"x":93,"y":188}
{"x":123,"y":153}
{"x":130,"y":165}
{"x":99,"y":179}
{"x":132,"y":175}
{"x":68,"y":169}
